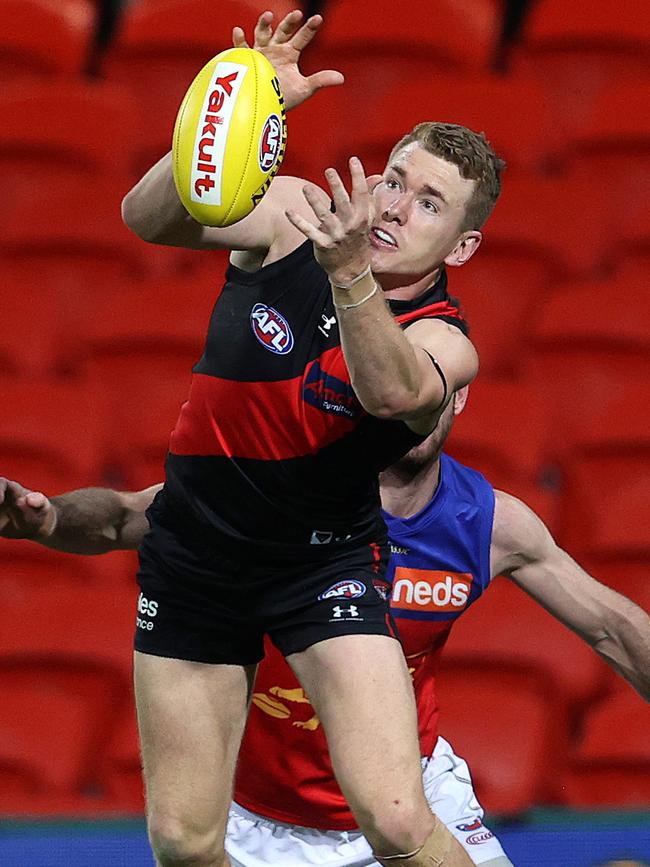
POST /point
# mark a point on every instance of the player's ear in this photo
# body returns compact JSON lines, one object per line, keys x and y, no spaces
{"x":467,"y":245}
{"x":460,"y":399}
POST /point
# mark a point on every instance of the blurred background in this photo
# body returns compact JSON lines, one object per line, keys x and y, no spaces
{"x":99,"y":333}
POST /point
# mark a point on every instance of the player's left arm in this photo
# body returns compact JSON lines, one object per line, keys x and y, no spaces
{"x":618,"y":630}
{"x":396,"y":374}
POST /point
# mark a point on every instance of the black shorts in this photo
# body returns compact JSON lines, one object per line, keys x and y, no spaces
{"x":199,"y":604}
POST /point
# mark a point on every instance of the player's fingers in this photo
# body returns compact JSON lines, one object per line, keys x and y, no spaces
{"x":307,"y":32}
{"x":287,"y":27}
{"x":360,"y":194}
{"x":36,"y":500}
{"x":308,"y":229}
{"x":264,"y":30}
{"x":324,"y":78}
{"x":3,"y":489}
{"x":239,"y":38}
{"x":318,"y":201}
{"x":339,"y":193}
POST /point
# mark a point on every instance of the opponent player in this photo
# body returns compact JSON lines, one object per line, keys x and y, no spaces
{"x":307,"y":388}
{"x":446,"y":522}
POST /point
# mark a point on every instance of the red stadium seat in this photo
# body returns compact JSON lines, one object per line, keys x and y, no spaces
{"x":31,"y":344}
{"x":590,"y":338}
{"x":619,"y":149}
{"x":38,"y":41}
{"x":355,"y":41}
{"x":160,"y":49}
{"x":30,"y":570}
{"x":78,"y":618}
{"x":54,"y":716}
{"x":140,"y":363}
{"x":481,"y":438}
{"x":86,"y":136}
{"x":51,"y":438}
{"x":516,"y":116}
{"x":576,"y":54}
{"x":504,"y":722}
{"x":507,"y":626}
{"x":611,"y":765}
{"x":570,"y":237}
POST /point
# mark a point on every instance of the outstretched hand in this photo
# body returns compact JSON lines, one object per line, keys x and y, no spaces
{"x":340,"y":237}
{"x":24,"y":514}
{"x":283,"y":47}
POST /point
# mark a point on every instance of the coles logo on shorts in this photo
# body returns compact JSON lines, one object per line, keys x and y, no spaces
{"x":429,"y":590}
{"x":270,"y":142}
{"x":271,"y":329}
{"x":483,"y":837}
{"x":350,"y":589}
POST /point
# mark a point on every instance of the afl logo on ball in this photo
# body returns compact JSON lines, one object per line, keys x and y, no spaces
{"x":271,"y":329}
{"x":270,"y":142}
{"x":350,"y":589}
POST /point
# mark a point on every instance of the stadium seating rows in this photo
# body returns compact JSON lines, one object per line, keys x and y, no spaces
{"x":100,"y":332}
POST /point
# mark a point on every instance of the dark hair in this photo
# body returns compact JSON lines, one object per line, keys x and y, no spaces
{"x":473,"y":155}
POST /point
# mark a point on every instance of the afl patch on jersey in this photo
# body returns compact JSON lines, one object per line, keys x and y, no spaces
{"x":271,"y":329}
{"x":349,"y":589}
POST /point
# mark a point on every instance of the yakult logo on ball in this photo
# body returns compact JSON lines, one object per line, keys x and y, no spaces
{"x":212,"y":132}
{"x":270,"y":142}
{"x":271,"y":329}
{"x":429,"y":590}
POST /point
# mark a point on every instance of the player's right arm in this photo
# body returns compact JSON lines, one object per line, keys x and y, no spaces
{"x":617,"y":629}
{"x":85,"y":521}
{"x":152,"y":208}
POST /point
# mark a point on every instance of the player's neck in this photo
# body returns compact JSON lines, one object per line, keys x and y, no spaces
{"x":395,"y":288}
{"x":404,"y":494}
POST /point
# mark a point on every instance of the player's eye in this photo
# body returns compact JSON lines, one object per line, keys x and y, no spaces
{"x":428,"y":205}
{"x":392,"y":184}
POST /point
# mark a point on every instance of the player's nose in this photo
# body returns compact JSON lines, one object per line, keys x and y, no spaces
{"x":396,"y":210}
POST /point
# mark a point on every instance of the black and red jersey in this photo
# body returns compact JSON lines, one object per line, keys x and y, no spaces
{"x":272,"y":448}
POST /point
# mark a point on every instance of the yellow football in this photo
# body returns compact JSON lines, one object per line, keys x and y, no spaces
{"x":229,"y":137}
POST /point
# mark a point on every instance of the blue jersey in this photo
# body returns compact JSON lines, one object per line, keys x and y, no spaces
{"x":439,"y":566}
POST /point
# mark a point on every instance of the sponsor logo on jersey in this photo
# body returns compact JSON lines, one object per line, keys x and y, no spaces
{"x":271,"y":329}
{"x":349,"y":589}
{"x":270,"y":142}
{"x":483,"y":837}
{"x":212,"y":132}
{"x":398,"y":549}
{"x":474,"y":826}
{"x":429,"y":590}
{"x":329,"y":394}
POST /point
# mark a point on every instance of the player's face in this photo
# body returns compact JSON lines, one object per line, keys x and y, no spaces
{"x":420,"y":209}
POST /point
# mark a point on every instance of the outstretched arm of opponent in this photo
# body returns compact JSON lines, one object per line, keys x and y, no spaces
{"x":85,"y":521}
{"x":152,"y":208}
{"x":617,"y":629}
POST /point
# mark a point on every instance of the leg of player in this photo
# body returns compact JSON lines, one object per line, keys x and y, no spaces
{"x":191,"y":718}
{"x":372,"y":736}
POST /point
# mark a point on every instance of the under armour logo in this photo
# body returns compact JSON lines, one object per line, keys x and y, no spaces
{"x":328,"y":321}
{"x":353,"y":611}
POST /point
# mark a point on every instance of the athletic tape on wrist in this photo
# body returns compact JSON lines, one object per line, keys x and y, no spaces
{"x":354,"y":280}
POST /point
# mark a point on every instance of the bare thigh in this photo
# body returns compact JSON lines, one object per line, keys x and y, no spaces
{"x":191,"y":718}
{"x":363,"y":695}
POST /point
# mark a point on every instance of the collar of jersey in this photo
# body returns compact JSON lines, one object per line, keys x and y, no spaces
{"x":414,"y":523}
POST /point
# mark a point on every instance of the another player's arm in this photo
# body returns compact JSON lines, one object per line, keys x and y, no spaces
{"x":152,"y":208}
{"x":85,"y":521}
{"x":617,"y":628}
{"x":392,"y":371}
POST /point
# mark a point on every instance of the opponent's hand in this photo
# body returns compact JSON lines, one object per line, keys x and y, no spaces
{"x":283,"y":47}
{"x":340,"y":238}
{"x":24,"y":514}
